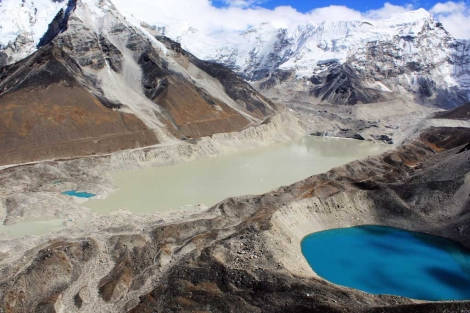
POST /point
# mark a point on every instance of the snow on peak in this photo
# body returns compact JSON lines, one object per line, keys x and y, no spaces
{"x":255,"y":50}
{"x":300,"y":46}
{"x":28,"y":18}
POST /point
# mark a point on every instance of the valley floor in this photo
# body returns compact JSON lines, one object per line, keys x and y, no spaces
{"x":241,"y":255}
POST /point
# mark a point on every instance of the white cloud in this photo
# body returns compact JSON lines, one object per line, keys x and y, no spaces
{"x":455,"y":17}
{"x":388,"y":10}
{"x":448,"y":7}
{"x":335,"y":13}
{"x":240,"y":14}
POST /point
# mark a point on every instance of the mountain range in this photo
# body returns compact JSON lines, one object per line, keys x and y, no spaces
{"x":345,"y":62}
{"x":340,"y":62}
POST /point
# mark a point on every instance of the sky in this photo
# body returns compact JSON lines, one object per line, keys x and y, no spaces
{"x":220,"y":15}
{"x":308,"y":5}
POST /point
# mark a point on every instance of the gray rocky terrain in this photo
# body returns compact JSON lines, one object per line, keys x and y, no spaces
{"x":243,"y":255}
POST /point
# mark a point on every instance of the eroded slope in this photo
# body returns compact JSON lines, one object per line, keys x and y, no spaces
{"x":46,"y":113}
{"x":100,"y":83}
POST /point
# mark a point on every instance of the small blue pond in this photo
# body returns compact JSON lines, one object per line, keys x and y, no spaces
{"x":384,"y":260}
{"x":78,"y":194}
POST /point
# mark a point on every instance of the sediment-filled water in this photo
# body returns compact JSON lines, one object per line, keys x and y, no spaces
{"x":30,"y":228}
{"x":208,"y":181}
{"x":384,"y":260}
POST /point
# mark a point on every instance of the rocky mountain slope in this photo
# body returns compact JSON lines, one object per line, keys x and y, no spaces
{"x":98,"y":83}
{"x":396,"y":67}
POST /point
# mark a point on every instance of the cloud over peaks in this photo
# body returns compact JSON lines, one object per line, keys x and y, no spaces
{"x":455,"y":17}
{"x":241,"y":14}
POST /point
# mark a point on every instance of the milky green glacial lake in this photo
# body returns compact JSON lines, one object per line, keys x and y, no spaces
{"x":30,"y":228}
{"x":208,"y":181}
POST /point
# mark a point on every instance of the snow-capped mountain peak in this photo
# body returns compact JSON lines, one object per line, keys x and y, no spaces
{"x":23,"y":23}
{"x":300,"y":47}
{"x":408,"y":52}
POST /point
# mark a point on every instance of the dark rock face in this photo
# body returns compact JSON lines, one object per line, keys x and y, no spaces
{"x":77,"y":300}
{"x":3,"y":59}
{"x":279,"y":76}
{"x":112,"y":54}
{"x":238,"y":89}
{"x":385,"y":139}
{"x":86,"y":48}
{"x":426,"y":87}
{"x":59,"y":24}
{"x":155,"y":72}
{"x":342,"y":84}
{"x":50,"y":70}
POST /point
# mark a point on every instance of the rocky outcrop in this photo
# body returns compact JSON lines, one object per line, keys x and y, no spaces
{"x":63,"y":262}
{"x":341,"y":84}
{"x":58,"y":24}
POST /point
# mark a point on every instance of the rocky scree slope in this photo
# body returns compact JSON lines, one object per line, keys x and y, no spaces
{"x":99,"y":83}
{"x":227,"y":260}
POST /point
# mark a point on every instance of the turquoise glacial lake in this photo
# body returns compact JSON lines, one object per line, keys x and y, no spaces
{"x":79,"y":194}
{"x":384,"y":260}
